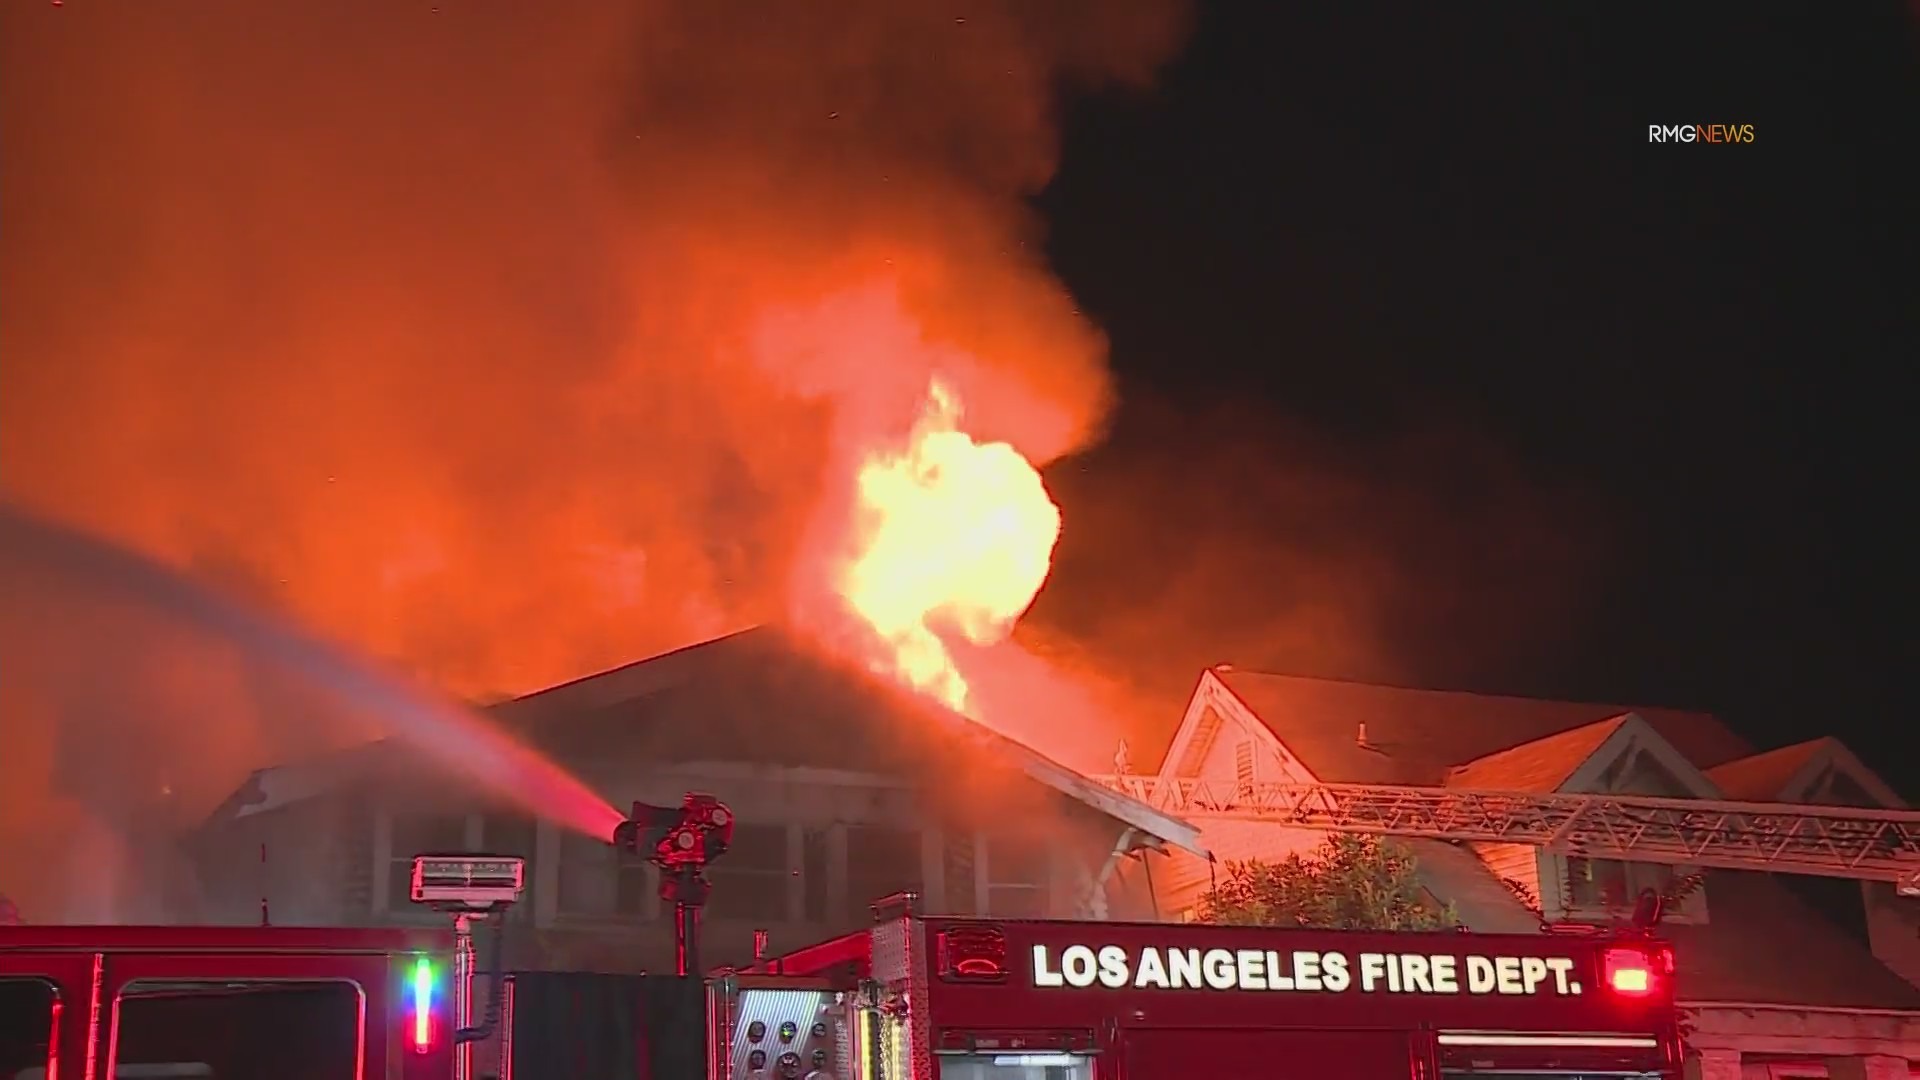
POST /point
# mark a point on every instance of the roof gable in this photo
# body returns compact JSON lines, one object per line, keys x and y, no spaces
{"x":1415,"y":737}
{"x":1808,"y":772}
{"x":1633,"y":752}
{"x":1762,"y":777}
{"x":1211,"y":711}
{"x":1542,"y":765}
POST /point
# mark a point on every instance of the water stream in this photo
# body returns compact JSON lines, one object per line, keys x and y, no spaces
{"x":129,"y":689}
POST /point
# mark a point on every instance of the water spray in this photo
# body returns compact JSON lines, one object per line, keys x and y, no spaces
{"x":680,"y":840}
{"x":472,"y":888}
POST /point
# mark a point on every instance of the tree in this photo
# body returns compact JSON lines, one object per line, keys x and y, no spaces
{"x":1346,"y":883}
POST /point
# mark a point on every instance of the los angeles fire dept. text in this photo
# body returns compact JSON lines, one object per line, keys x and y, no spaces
{"x":1112,"y":966}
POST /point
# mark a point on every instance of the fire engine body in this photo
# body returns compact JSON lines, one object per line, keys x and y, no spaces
{"x":340,"y":1002}
{"x":910,"y":998}
{"x":965,"y":999}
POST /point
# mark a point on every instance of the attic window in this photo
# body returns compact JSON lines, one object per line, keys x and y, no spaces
{"x":1243,"y":762}
{"x":1647,"y":776}
{"x":1839,"y":789}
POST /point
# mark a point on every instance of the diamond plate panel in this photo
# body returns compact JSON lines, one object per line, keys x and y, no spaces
{"x":892,"y":942}
{"x":919,"y":1017}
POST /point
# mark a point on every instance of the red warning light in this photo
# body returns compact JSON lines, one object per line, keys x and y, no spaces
{"x":972,"y":953}
{"x":1629,"y":972}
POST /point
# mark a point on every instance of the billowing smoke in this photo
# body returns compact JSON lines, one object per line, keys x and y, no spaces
{"x":446,"y":326}
{"x":512,"y":343}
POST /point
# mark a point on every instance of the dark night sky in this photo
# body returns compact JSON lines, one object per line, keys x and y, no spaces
{"x":1352,"y":225}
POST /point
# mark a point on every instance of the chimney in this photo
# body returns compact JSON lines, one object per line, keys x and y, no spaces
{"x":1362,"y":739}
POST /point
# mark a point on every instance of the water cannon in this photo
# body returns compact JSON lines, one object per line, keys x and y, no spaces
{"x":475,"y":884}
{"x":690,"y":835}
{"x":681,"y":841}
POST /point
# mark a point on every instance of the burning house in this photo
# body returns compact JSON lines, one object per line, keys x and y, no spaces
{"x":1833,"y":1002}
{"x":846,"y":790}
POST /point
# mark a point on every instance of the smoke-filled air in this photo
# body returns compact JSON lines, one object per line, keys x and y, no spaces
{"x":508,"y":348}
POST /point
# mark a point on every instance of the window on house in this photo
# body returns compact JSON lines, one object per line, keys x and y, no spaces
{"x":418,"y":834}
{"x":1607,"y":885}
{"x":813,"y":875}
{"x":880,"y":862}
{"x":750,"y":880}
{"x":1243,"y":763}
{"x":1842,"y":790}
{"x":1019,"y":876}
{"x":959,"y":862}
{"x":506,"y":834}
{"x":595,"y":882}
{"x":509,"y":834}
{"x":1643,"y":774}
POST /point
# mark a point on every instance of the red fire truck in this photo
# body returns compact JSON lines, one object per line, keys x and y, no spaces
{"x":86,"y":1003}
{"x":966,"y":999}
{"x":911,"y":998}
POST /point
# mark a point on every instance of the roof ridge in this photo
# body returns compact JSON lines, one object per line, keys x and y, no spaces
{"x":1230,"y":670}
{"x":719,"y":639}
{"x":1803,"y":744}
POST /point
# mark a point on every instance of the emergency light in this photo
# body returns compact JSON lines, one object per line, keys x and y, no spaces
{"x":420,"y":1031}
{"x":1634,"y":972}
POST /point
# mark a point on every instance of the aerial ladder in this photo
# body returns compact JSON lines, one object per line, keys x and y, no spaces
{"x":1785,"y":838}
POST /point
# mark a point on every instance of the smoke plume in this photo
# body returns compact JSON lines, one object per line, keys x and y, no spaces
{"x":463,"y":332}
{"x":510,"y":343}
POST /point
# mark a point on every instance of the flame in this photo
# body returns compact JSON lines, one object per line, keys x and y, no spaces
{"x":956,"y":537}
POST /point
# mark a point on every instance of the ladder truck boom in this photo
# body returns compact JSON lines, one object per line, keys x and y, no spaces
{"x":1828,"y":841}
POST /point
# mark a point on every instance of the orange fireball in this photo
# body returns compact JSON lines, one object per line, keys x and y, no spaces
{"x":956,"y":538}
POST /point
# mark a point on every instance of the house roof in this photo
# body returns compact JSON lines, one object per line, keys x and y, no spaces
{"x":759,"y":695}
{"x":1415,"y":736}
{"x":1425,"y":738}
{"x":1542,"y":765}
{"x":1764,"y":776}
{"x":1816,"y":771}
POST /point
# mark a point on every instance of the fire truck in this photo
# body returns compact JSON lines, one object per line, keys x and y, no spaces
{"x":913,"y":997}
{"x":969,"y":999}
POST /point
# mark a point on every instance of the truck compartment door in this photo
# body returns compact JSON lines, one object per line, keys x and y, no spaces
{"x":1282,"y":1054}
{"x":46,"y":1001}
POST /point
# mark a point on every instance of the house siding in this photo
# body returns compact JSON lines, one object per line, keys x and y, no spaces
{"x":1182,"y":879}
{"x":1516,"y":863}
